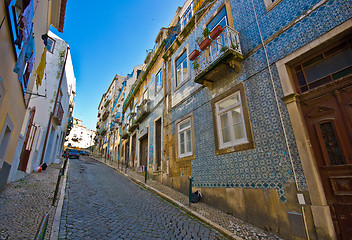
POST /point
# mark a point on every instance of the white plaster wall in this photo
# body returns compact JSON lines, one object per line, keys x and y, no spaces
{"x":44,"y":105}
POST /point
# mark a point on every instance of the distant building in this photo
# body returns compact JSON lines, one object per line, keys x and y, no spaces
{"x":109,"y":115}
{"x":80,"y":136}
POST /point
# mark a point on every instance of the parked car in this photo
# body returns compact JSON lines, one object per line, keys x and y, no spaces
{"x":73,"y":153}
{"x":85,"y":153}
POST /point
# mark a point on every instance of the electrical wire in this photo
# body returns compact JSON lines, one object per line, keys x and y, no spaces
{"x":276,"y":99}
{"x":2,"y":21}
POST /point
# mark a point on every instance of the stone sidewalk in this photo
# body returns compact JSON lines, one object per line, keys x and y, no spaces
{"x":24,"y":203}
{"x":226,"y":223}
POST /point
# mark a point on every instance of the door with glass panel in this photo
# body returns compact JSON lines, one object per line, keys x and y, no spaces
{"x":324,"y":82}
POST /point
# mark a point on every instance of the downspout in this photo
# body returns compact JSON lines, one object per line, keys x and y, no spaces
{"x":52,"y":113}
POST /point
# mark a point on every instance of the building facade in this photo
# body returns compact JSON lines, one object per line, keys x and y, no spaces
{"x":49,"y":113}
{"x":80,"y":137}
{"x":21,"y":46}
{"x":259,"y":118}
{"x":109,"y":116}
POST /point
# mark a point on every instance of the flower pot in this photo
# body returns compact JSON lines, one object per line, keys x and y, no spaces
{"x":194,"y":55}
{"x":206,"y":42}
{"x":216,"y":32}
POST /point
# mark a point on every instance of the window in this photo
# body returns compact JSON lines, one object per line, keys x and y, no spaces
{"x":219,"y":19}
{"x":184,"y":138}
{"x":231,"y":121}
{"x":325,"y":67}
{"x":50,"y":44}
{"x":145,"y":93}
{"x":5,"y":136}
{"x":15,"y":11}
{"x":187,"y":16}
{"x":159,"y":81}
{"x":181,"y":68}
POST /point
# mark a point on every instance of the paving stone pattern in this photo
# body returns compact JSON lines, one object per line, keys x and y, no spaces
{"x":100,"y":203}
{"x":238,"y":227}
{"x":24,"y":203}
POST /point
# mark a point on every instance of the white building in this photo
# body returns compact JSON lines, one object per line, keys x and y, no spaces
{"x":80,"y":136}
{"x":44,"y":128}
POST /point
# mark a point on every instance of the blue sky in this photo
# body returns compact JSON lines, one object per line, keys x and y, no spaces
{"x":108,"y":39}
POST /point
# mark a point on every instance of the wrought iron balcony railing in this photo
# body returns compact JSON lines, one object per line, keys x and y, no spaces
{"x":143,"y":110}
{"x":224,"y":51}
{"x":124,"y":132}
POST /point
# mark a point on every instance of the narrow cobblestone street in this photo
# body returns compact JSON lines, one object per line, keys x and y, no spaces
{"x":102,"y":204}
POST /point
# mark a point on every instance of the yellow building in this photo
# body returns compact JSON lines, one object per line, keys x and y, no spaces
{"x":21,"y":48}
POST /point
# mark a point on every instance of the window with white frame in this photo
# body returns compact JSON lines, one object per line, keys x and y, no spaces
{"x":159,"y":81}
{"x":182,"y":68}
{"x":230,"y":121}
{"x":187,"y":16}
{"x":219,"y":19}
{"x":185,"y":138}
{"x":145,"y":93}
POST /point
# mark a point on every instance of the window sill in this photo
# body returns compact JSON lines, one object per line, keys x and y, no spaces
{"x":181,"y":84}
{"x":237,"y":148}
{"x":186,"y":158}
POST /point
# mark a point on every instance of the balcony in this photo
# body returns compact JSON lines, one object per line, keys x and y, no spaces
{"x":124,"y":132}
{"x":132,"y":122}
{"x":143,"y":110}
{"x":102,"y":130}
{"x":105,"y":115}
{"x":222,"y":55}
{"x":107,"y":101}
{"x":58,"y":114}
{"x":117,"y":117}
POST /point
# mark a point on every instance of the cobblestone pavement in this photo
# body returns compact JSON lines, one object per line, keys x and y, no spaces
{"x":103,"y":204}
{"x":236,"y":226}
{"x":24,"y":203}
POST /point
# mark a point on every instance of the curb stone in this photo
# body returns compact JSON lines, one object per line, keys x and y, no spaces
{"x":57,"y":218}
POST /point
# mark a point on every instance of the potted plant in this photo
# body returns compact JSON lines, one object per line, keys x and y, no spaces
{"x":235,"y":46}
{"x":206,"y":40}
{"x":194,"y":55}
{"x":224,"y":49}
{"x":216,"y":32}
{"x":195,"y":65}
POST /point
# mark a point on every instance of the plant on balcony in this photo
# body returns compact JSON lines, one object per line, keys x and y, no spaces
{"x":224,"y":48}
{"x":204,"y":41}
{"x":235,"y":46}
{"x":206,"y":32}
{"x":194,"y":55}
{"x":216,"y":32}
{"x":195,"y":65}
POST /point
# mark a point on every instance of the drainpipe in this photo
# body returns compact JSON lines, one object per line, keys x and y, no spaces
{"x":52,"y":113}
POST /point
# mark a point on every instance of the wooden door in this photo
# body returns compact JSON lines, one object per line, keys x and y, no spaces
{"x":28,"y":142}
{"x":134,"y":139}
{"x":144,"y":151}
{"x":127,"y":153}
{"x":158,"y":143}
{"x":328,"y":115}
